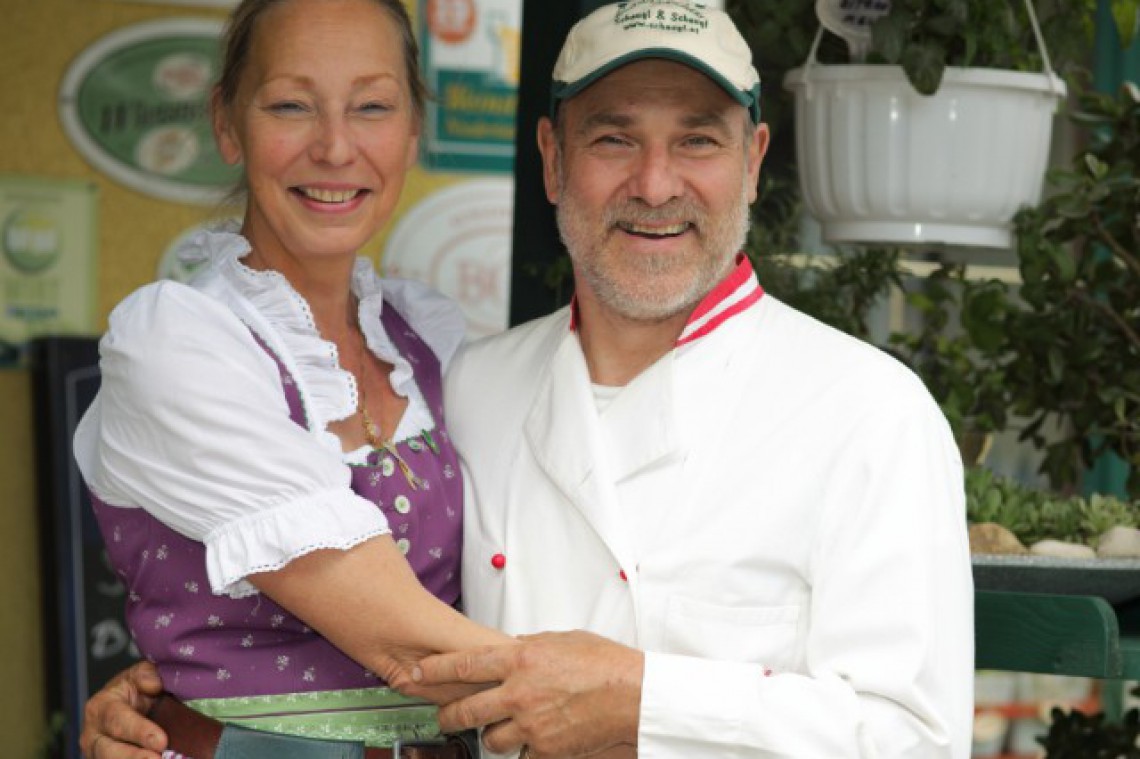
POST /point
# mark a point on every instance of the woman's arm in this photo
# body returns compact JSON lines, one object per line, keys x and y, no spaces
{"x":369,"y":604}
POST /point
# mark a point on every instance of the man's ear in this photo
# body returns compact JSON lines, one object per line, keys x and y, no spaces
{"x":229,"y":147}
{"x":548,"y":147}
{"x":757,"y":148}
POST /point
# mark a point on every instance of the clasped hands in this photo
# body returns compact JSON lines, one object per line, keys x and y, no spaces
{"x":564,"y":694}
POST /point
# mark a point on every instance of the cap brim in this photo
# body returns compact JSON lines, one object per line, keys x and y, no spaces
{"x":749,"y":99}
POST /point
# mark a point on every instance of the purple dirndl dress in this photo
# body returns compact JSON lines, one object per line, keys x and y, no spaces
{"x":209,"y":646}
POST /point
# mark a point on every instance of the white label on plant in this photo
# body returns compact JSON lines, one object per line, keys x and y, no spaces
{"x":852,"y":20}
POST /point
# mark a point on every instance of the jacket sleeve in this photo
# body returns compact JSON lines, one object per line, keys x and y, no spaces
{"x":888,"y":665}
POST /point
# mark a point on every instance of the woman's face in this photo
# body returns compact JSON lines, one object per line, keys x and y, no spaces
{"x":325,"y":127}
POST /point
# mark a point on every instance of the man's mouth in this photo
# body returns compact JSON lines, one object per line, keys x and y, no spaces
{"x":328,"y":196}
{"x":654,"y":232}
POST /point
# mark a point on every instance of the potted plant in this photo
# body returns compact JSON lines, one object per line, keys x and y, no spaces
{"x":1075,"y":735}
{"x":1032,"y":515}
{"x":943,"y":133}
{"x":958,"y":349}
{"x":1074,"y":336}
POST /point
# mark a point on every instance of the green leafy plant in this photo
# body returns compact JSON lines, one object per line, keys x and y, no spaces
{"x":1075,"y":340}
{"x":838,"y":290}
{"x":962,"y":362}
{"x":1075,"y":735}
{"x":926,"y":36}
{"x":1034,"y":515}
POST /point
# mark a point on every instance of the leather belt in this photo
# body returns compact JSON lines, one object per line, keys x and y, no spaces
{"x":196,"y":736}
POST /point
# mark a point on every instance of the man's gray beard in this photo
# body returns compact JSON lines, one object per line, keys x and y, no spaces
{"x":644,"y":303}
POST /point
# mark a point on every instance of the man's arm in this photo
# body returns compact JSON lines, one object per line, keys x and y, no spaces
{"x":113,"y":723}
{"x":561,"y":694}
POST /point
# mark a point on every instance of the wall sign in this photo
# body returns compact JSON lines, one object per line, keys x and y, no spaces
{"x":47,"y":261}
{"x":135,"y":104}
{"x":471,"y":64}
{"x":458,"y":240}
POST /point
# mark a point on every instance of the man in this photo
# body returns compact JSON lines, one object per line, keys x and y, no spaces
{"x":764,"y":518}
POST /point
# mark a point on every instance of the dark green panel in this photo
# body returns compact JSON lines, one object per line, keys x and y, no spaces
{"x":1031,"y":632}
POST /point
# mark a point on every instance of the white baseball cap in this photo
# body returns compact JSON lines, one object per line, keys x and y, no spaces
{"x":686,"y":32}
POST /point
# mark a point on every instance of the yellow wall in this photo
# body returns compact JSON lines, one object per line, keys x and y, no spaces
{"x":38,"y":40}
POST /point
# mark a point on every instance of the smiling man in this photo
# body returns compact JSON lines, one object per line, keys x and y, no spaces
{"x":763,"y":517}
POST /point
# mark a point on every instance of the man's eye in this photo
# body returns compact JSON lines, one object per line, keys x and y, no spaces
{"x":611,"y":139}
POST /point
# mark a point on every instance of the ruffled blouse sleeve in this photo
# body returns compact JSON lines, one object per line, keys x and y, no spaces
{"x":191,"y":425}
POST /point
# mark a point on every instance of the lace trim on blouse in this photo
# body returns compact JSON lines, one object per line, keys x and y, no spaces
{"x":268,"y":540}
{"x":329,"y":392}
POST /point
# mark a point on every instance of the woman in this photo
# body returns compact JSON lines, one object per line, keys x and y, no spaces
{"x":266,"y":456}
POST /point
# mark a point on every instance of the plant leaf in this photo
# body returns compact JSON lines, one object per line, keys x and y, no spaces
{"x":889,"y":35}
{"x":1126,"y":13}
{"x":924,"y":66}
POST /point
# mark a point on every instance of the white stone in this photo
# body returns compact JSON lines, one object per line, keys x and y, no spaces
{"x":1059,"y":549}
{"x":1119,"y":543}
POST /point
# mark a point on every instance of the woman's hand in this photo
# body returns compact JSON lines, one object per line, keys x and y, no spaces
{"x":113,"y":723}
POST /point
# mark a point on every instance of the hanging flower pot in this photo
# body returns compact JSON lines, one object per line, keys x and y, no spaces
{"x":879,"y":162}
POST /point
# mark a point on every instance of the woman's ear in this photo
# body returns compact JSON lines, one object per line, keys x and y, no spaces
{"x":229,"y":146}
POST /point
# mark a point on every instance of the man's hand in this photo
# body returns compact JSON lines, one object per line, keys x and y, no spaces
{"x":113,"y":725}
{"x":561,"y":694}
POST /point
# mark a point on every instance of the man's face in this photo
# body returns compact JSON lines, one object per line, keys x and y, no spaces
{"x":652,"y":169}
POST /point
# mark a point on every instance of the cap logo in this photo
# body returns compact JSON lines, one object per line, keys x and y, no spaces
{"x":689,"y":17}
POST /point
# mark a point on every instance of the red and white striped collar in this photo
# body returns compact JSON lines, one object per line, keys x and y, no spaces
{"x":735,"y":294}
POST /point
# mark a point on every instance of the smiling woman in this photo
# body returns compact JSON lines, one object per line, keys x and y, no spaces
{"x":268,"y":446}
{"x":326,"y":125}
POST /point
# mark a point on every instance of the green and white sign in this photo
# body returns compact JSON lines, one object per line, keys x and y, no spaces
{"x":47,"y":261}
{"x":471,"y":64}
{"x":135,"y":104}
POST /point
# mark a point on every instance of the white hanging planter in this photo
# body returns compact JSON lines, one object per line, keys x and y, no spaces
{"x":880,"y":163}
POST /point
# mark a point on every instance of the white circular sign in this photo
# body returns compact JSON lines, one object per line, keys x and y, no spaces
{"x":458,"y":240}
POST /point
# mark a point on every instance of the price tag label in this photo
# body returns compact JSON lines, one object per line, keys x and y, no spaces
{"x":852,"y":20}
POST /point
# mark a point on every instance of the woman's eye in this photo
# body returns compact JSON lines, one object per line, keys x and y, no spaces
{"x":374,"y":108}
{"x":286,"y":107}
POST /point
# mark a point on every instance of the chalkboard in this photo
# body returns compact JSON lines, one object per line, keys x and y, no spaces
{"x":86,"y":638}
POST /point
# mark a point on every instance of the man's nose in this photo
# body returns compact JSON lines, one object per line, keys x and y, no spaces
{"x":656,"y":179}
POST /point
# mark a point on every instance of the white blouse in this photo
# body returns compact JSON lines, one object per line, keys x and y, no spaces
{"x":192,"y":425}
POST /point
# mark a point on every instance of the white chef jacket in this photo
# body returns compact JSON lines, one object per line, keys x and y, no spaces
{"x":802,"y":587}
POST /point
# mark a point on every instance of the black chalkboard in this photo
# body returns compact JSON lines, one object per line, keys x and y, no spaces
{"x":86,"y":638}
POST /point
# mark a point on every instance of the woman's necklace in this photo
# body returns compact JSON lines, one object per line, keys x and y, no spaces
{"x":372,"y":432}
